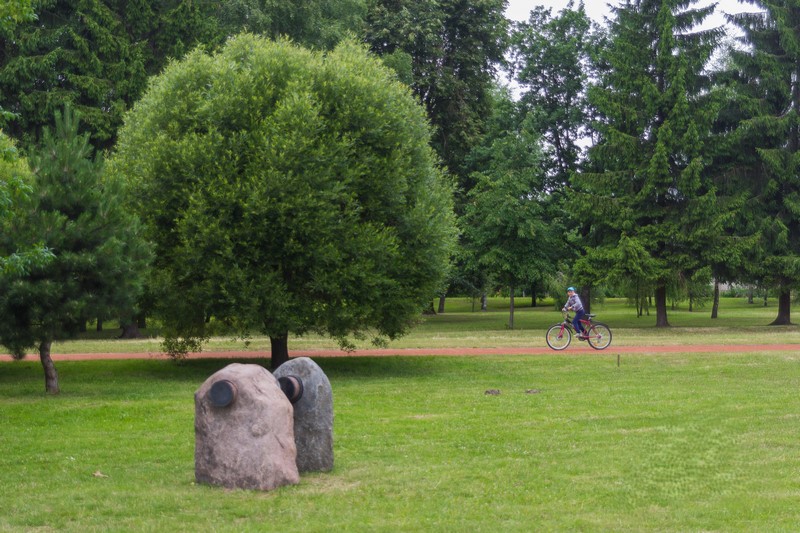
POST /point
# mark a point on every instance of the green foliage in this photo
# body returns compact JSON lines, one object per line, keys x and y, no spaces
{"x":454,"y":48}
{"x":75,"y":53}
{"x":15,"y":187}
{"x":97,"y":56}
{"x":13,"y":12}
{"x":552,"y":65}
{"x":651,"y":201}
{"x":765,"y":142}
{"x":508,"y":223}
{"x":99,"y":256}
{"x":287,"y":191}
{"x":319,"y":24}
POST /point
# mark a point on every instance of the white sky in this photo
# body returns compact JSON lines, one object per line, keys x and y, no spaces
{"x":597,"y":9}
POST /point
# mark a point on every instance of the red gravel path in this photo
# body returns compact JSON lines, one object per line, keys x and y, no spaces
{"x":575,"y":349}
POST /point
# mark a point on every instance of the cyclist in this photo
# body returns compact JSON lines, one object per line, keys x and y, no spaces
{"x":575,"y":305}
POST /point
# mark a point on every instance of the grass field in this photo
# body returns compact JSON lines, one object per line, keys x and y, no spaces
{"x":460,"y":326}
{"x":674,"y":442}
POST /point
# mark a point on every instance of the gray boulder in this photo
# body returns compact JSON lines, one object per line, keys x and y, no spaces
{"x":313,"y":415}
{"x":244,"y":435}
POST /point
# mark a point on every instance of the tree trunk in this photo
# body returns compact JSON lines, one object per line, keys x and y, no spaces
{"x":484,"y":302}
{"x":511,"y":308}
{"x":586,"y":298}
{"x":130,"y":330}
{"x":441,"y":303}
{"x":99,"y":324}
{"x":661,"y":307}
{"x":50,"y":374}
{"x":715,"y":306}
{"x":784,"y":308}
{"x":280,"y":350}
{"x":533,"y":295}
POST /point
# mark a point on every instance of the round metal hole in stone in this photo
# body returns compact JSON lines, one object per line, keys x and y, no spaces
{"x":222,"y":393}
{"x":292,"y":387}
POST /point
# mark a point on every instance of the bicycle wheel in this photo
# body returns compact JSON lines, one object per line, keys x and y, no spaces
{"x":599,"y":336}
{"x":558,"y":337}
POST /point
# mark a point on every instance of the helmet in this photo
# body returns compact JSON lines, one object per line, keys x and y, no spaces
{"x":571,"y":289}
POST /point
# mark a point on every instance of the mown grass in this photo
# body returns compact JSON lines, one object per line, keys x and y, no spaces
{"x":460,"y":326}
{"x":678,"y":442}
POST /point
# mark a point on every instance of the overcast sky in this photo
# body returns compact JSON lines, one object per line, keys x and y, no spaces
{"x":597,"y":9}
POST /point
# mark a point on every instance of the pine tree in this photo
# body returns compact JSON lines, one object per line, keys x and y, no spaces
{"x":100,"y":257}
{"x":650,"y":202}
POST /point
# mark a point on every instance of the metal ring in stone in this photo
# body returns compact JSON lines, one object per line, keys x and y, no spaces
{"x":222,"y":393}
{"x":292,"y":387}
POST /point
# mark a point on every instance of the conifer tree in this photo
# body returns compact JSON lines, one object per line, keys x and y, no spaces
{"x":650,"y":202}
{"x":99,"y":255}
{"x":767,"y":141}
{"x":75,"y":53}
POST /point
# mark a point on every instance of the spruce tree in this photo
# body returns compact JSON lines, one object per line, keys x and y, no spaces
{"x":75,"y":53}
{"x":650,"y":202}
{"x":767,"y":141}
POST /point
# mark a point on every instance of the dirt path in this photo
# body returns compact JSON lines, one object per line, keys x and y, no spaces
{"x":574,"y":349}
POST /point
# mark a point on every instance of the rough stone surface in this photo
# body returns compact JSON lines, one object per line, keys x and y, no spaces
{"x":248,"y":444}
{"x":313,"y":415}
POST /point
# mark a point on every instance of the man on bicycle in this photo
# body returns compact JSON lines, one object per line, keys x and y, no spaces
{"x":575,"y":305}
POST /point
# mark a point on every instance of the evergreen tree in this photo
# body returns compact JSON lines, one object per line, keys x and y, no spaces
{"x":99,"y":253}
{"x":76,"y":53}
{"x":12,"y":12}
{"x":97,"y":55}
{"x":651,"y":202}
{"x":767,"y":141}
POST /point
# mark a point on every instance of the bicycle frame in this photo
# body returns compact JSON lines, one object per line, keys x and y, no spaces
{"x":586,"y":322}
{"x":597,"y":334}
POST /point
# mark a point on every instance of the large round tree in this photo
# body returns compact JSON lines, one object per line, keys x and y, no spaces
{"x":287,"y":191}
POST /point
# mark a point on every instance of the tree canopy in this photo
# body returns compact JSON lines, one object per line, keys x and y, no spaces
{"x":509,"y":225}
{"x":766,"y":140}
{"x":15,"y":188}
{"x":652,"y":205}
{"x":287,"y":191}
{"x":97,"y":56}
{"x":99,"y":255}
{"x":448,"y":52}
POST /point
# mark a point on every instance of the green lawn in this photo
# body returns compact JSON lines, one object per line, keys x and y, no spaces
{"x":674,"y":442}
{"x":738,"y":323}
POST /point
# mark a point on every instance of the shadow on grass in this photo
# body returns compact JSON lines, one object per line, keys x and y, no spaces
{"x":21,"y":379}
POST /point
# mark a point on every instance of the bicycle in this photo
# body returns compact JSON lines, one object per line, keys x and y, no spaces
{"x":560,"y":335}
